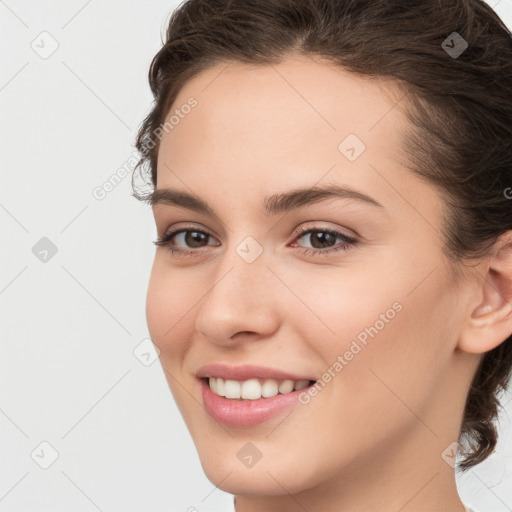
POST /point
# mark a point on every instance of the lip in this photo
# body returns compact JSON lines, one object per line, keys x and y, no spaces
{"x":246,"y":372}
{"x":246,"y":413}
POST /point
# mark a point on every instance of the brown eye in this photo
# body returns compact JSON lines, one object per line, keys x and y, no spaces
{"x":323,"y":241}
{"x":193,"y":239}
{"x":184,"y":241}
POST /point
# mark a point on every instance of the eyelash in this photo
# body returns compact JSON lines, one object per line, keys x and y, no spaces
{"x":348,"y":242}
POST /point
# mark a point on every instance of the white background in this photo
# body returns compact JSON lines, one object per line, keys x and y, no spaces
{"x":69,"y":326}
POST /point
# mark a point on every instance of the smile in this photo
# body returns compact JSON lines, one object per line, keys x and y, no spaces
{"x":247,"y":412}
{"x":254,"y":389}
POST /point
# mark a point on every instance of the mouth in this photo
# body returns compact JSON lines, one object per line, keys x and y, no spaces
{"x":254,"y":388}
{"x":236,"y":410}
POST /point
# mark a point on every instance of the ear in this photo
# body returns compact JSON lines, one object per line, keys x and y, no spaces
{"x":490,"y":322}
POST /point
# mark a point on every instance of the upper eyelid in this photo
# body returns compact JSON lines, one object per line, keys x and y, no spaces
{"x":297,"y":233}
{"x":189,"y":227}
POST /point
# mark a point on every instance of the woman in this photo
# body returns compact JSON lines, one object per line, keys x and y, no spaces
{"x":332,"y":290}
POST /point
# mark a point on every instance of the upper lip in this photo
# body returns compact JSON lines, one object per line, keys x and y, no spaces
{"x":245,"y":372}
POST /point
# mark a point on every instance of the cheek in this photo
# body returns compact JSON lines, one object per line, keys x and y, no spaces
{"x":339,"y":308}
{"x":156,"y":305}
{"x":400,"y":369}
{"x":371,"y":328}
{"x":391,"y":354}
{"x":169,"y":301}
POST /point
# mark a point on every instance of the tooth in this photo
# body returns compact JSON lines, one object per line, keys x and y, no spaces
{"x":232,"y":389}
{"x":220,"y":386}
{"x":286,"y":386}
{"x":300,"y":384}
{"x":269,"y":388}
{"x":251,"y":389}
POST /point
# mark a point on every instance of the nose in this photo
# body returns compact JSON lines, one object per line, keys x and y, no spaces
{"x":240,"y":301}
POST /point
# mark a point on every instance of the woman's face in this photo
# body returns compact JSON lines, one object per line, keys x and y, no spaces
{"x":380,"y":316}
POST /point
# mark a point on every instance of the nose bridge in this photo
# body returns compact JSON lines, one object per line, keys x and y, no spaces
{"x":239,"y":296}
{"x":245,"y":261}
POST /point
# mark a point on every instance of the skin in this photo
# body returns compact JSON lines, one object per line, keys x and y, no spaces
{"x":373,"y":437}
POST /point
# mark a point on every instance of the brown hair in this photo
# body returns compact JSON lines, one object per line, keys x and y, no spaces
{"x":460,"y":108}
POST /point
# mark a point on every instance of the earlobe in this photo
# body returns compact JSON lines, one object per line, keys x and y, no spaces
{"x":490,"y":323}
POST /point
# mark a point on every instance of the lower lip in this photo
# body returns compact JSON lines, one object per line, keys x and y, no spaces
{"x":246,"y":413}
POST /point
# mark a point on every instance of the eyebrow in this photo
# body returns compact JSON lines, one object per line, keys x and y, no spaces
{"x":275,"y":204}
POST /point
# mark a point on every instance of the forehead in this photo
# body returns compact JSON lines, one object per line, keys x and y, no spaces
{"x":278,"y":106}
{"x":255,"y":124}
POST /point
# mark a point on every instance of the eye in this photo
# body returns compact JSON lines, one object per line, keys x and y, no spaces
{"x":323,"y":240}
{"x":193,"y":238}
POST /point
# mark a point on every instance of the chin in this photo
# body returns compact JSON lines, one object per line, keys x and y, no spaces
{"x":270,"y":475}
{"x":255,"y":481}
